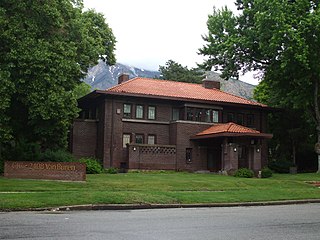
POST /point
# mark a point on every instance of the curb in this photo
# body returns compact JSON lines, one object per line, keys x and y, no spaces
{"x":88,"y":207}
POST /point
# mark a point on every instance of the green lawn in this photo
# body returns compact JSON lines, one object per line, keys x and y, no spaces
{"x":168,"y":187}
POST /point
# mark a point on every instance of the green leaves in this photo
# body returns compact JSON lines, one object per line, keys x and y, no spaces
{"x":46,"y":47}
{"x":176,"y":72}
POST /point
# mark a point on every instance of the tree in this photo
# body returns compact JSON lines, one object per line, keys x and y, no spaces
{"x":279,"y":38}
{"x":46,"y":47}
{"x":81,"y":90}
{"x":176,"y":72}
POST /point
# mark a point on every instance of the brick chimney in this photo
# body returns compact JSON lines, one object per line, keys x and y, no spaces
{"x":123,"y":77}
{"x":210,"y":84}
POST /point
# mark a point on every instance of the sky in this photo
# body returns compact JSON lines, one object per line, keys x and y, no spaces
{"x":151,"y":32}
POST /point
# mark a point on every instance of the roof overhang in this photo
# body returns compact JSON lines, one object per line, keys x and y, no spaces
{"x":230,"y":130}
{"x":226,"y":134}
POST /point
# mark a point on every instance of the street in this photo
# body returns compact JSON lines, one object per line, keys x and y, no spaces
{"x":266,"y":222}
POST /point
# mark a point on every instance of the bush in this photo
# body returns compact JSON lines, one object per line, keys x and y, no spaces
{"x":57,"y":156}
{"x":266,"y":173}
{"x":280,"y":166}
{"x":112,"y":170}
{"x":23,"y":151}
{"x":244,"y":173}
{"x":92,"y":165}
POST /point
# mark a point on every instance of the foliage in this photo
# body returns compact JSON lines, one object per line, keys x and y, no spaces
{"x":81,"y":90}
{"x":23,"y":151}
{"x":112,"y":170}
{"x":1,"y":166}
{"x":280,"y":166}
{"x":92,"y":165}
{"x":244,"y":173}
{"x":266,"y":173}
{"x":176,"y":72}
{"x":277,"y":37}
{"x":59,"y":155}
{"x":46,"y":48}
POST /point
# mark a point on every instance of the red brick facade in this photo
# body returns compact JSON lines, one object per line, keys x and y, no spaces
{"x":170,"y":133}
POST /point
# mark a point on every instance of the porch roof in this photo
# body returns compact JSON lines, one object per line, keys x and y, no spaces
{"x":230,"y":130}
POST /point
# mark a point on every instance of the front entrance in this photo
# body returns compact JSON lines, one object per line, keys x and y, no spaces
{"x":214,"y":159}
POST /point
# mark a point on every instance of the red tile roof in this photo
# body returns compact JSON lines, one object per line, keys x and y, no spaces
{"x":230,"y":129}
{"x":177,"y":90}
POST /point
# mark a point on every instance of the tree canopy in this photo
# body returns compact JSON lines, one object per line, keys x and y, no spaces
{"x":46,"y":47}
{"x":281,"y":38}
{"x":176,"y":72}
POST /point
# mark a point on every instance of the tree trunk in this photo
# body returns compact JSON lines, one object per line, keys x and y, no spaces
{"x":317,"y":114}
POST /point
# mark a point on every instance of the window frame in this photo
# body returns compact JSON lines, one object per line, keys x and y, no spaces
{"x":154,"y":139}
{"x":142,"y":107}
{"x":188,"y":155}
{"x":240,"y":118}
{"x":127,"y":114}
{"x":154,"y":114}
{"x":230,"y":117}
{"x":250,"y":120}
{"x":140,"y":135}
{"x":124,"y":145}
{"x":175,"y":113}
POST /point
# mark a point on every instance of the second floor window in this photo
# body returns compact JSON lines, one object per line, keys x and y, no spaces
{"x":139,"y":111}
{"x":127,"y":110}
{"x":230,"y":117}
{"x":215,"y":116}
{"x":250,"y":120}
{"x":151,"y":112}
{"x":175,"y":114}
{"x":240,"y":119}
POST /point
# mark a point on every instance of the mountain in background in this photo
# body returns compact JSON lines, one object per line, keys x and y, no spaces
{"x":103,"y":76}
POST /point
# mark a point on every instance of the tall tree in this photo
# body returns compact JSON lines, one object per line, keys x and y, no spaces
{"x":46,"y":47}
{"x":278,"y":37}
{"x":176,"y":72}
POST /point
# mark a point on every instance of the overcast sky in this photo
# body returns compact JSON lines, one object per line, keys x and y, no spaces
{"x":150,"y":32}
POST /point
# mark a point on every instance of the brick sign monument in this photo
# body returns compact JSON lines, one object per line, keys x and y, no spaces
{"x":68,"y":171}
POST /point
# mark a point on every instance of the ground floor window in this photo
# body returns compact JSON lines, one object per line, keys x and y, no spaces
{"x":126,"y":139}
{"x":139,"y":138}
{"x":188,"y":155}
{"x":151,"y":139}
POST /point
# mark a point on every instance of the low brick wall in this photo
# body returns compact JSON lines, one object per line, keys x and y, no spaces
{"x":68,"y":171}
{"x":152,"y":157}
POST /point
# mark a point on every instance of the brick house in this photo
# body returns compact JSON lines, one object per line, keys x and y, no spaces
{"x":158,"y":124}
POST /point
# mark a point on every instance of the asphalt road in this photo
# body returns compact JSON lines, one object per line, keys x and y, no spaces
{"x":266,"y":222}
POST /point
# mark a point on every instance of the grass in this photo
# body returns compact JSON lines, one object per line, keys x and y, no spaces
{"x":155,"y":187}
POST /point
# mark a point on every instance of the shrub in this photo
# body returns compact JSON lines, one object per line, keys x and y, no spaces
{"x":266,"y":173}
{"x":92,"y":165}
{"x":23,"y":151}
{"x":112,"y":170}
{"x":280,"y":166}
{"x":57,"y":156}
{"x":244,"y":173}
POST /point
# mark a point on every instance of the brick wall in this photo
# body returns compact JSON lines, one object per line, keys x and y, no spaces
{"x":156,"y":157}
{"x":184,"y":131}
{"x":84,"y":138}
